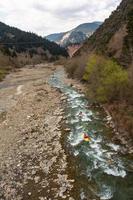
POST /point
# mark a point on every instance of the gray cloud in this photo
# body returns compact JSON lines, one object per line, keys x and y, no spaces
{"x":59,"y":12}
{"x":48,"y":16}
{"x":40,"y":7}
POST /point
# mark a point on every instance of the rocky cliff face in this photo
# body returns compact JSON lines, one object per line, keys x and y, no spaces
{"x":73,"y":38}
{"x":72,"y":49}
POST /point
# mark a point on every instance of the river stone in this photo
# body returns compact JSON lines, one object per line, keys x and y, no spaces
{"x":67,"y":129}
{"x":29,"y":193}
{"x":63,"y":98}
{"x":42,"y":198}
{"x":36,"y":179}
{"x":33,"y":172}
{"x":71,"y":198}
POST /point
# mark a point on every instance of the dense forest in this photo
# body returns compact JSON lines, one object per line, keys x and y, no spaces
{"x":13,"y":40}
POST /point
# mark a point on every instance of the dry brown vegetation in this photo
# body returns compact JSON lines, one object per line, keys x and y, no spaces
{"x":9,"y":63}
{"x":60,"y":61}
{"x":76,"y":66}
{"x":123,"y":116}
{"x":4,"y":66}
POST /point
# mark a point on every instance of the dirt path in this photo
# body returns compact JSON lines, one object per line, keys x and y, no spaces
{"x":33,"y":164}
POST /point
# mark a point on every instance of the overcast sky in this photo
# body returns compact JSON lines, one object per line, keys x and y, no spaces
{"x":50,"y":16}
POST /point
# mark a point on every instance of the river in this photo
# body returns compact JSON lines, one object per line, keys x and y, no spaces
{"x":100,"y":169}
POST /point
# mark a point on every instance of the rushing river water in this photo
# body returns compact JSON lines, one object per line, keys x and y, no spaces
{"x":103,"y":172}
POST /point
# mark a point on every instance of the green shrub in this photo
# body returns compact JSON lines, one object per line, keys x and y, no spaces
{"x":107,"y":80}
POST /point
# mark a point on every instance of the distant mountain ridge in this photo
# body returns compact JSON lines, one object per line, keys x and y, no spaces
{"x":75,"y":36}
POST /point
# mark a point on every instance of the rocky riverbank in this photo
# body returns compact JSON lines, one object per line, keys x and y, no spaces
{"x":33,"y":162}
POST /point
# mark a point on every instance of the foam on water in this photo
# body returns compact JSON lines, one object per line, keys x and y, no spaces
{"x":73,"y":121}
{"x":76,"y":153}
{"x":82,"y":195}
{"x":75,"y":139}
{"x":106,"y":193}
{"x":114,"y":146}
{"x":74,"y":95}
{"x":85,"y":118}
{"x":103,"y":159}
{"x":79,"y":127}
{"x":115,"y":171}
{"x":76,"y":104}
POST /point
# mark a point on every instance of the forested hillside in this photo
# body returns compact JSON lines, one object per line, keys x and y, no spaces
{"x":19,"y":48}
{"x":13,"y":39}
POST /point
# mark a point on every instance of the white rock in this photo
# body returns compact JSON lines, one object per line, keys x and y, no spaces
{"x":29,"y":193}
{"x":36,"y":179}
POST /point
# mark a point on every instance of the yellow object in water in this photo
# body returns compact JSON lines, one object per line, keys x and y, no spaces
{"x":86,"y":138}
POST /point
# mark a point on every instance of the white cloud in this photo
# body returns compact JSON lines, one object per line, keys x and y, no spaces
{"x":49,"y":16}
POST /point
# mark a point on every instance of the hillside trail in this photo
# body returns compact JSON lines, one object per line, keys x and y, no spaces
{"x":33,"y":164}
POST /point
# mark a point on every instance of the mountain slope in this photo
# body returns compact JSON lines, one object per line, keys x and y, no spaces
{"x":76,"y":36}
{"x":88,"y":28}
{"x":112,"y":37}
{"x":13,"y":39}
{"x":56,"y":37}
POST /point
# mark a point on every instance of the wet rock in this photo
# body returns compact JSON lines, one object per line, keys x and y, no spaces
{"x":123,"y":141}
{"x":59,"y":119}
{"x":67,"y":130}
{"x":117,"y":133}
{"x":109,"y":118}
{"x":131,"y":151}
{"x":116,"y":140}
{"x":123,"y":150}
{"x":63,"y":98}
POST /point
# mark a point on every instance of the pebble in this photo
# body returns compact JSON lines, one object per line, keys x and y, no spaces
{"x":36,"y":179}
{"x":33,"y":172}
{"x":67,"y":129}
{"x":29,"y":193}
